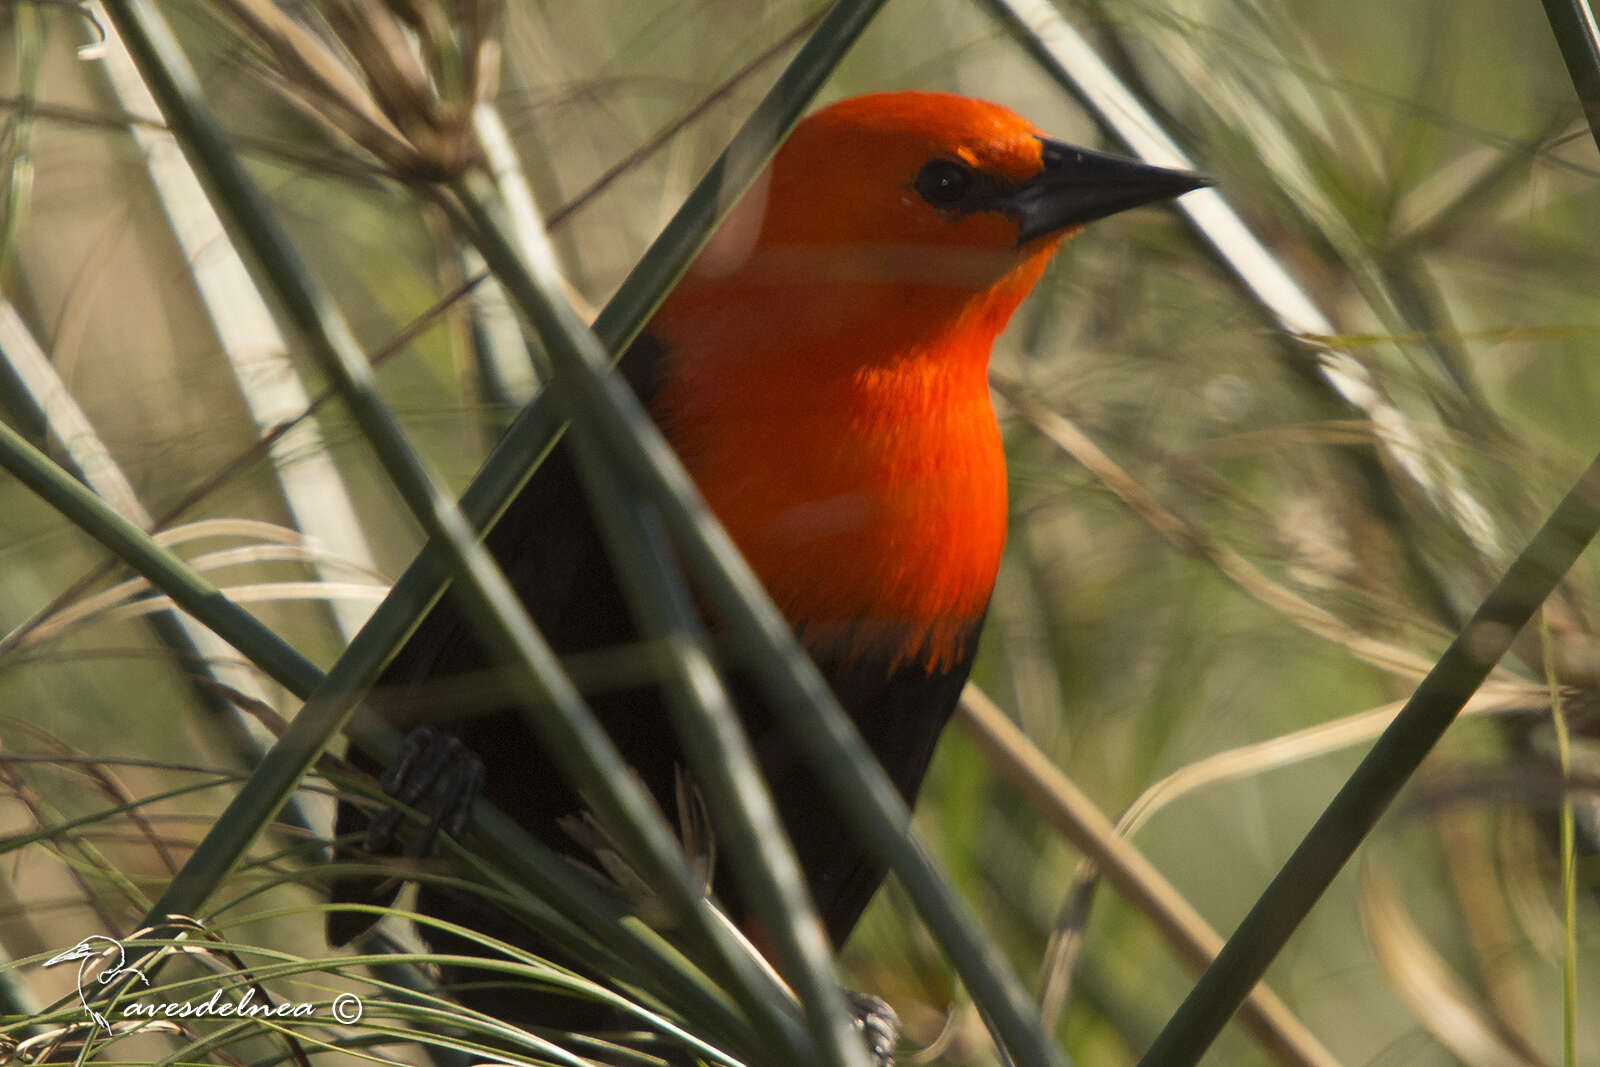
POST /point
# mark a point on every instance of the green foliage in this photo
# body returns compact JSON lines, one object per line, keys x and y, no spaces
{"x":1262,"y":550}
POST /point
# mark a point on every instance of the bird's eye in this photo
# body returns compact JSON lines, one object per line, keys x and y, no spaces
{"x":944,"y":182}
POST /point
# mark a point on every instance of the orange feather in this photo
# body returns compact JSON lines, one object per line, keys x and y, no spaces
{"x":852,"y":453}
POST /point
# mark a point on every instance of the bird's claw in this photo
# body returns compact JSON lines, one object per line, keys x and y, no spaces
{"x":879,"y":1026}
{"x":435,"y":773}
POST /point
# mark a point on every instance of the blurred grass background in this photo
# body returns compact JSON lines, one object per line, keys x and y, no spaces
{"x":1422,"y":170}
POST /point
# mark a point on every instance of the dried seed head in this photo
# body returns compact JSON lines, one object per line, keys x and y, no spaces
{"x":399,"y":78}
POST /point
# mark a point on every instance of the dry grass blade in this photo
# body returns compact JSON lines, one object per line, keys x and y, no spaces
{"x":100,"y":777}
{"x":231,"y":527}
{"x":1077,"y":818}
{"x":436,"y":126}
{"x":1485,"y":916}
{"x":246,"y":334}
{"x":1076,"y":64}
{"x":227,"y":470}
{"x":1294,"y":141}
{"x":1299,"y":746}
{"x":266,"y":592}
{"x":1234,"y":764}
{"x":73,"y":851}
{"x":1522,"y":860}
{"x":1438,"y":998}
{"x":110,"y":605}
{"x":316,"y":80}
{"x":1193,"y":541}
{"x":281,"y":545}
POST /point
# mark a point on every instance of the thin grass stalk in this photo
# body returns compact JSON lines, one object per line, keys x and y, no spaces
{"x":664,"y":136}
{"x":518,"y":963}
{"x":565,"y":725}
{"x":329,"y":702}
{"x":1417,"y":229}
{"x":1288,"y":144}
{"x":1077,"y":818}
{"x":48,"y":401}
{"x":16,"y":133}
{"x":1352,"y":813}
{"x":703,"y":714}
{"x":1578,"y":37}
{"x":505,"y":368}
{"x":537,"y":427}
{"x":811,"y":714}
{"x":1189,"y":539}
{"x":16,"y":994}
{"x":246,"y":335}
{"x":229,"y":468}
{"x":16,"y":842}
{"x":720,"y":755}
{"x":164,"y":570}
{"x":1441,"y":1001}
{"x":430,"y":1013}
{"x":758,"y":138}
{"x":1064,"y":54}
{"x":303,"y":741}
{"x":1567,"y":853}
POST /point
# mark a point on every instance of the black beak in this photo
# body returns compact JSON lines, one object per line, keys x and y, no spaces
{"x":1078,"y":186}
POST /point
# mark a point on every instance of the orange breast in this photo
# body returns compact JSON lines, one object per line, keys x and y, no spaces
{"x":871,"y":500}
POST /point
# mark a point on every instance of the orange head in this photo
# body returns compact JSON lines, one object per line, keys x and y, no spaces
{"x":826,"y":356}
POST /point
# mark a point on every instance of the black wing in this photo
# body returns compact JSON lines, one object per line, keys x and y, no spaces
{"x":900,"y":714}
{"x":554,"y":556}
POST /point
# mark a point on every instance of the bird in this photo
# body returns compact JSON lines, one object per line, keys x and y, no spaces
{"x":821,"y":371}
